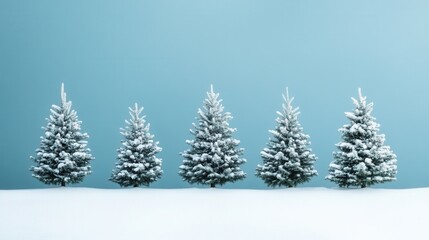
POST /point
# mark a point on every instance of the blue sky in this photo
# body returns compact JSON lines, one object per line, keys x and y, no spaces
{"x":165,"y":54}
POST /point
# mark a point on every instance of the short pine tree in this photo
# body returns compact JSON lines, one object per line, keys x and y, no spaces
{"x":287,"y":160}
{"x":63,"y":156}
{"x":362,"y":160}
{"x":214,"y":156}
{"x":137,"y":164}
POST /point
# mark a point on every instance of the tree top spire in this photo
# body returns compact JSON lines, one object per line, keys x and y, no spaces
{"x":287,"y":106}
{"x":63,"y":95}
{"x":362,"y":98}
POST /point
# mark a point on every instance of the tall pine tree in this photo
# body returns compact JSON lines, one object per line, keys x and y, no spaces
{"x":214,"y":156}
{"x":362,"y":158}
{"x":63,"y":156}
{"x":137,"y":162}
{"x":287,"y":160}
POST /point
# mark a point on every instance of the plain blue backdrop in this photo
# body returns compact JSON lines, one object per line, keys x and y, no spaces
{"x":165,"y":54}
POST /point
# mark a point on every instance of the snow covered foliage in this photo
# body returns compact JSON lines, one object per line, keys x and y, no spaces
{"x":137,"y":164}
{"x":362,"y":159}
{"x":214,"y":156}
{"x":63,"y":156}
{"x":287,"y":160}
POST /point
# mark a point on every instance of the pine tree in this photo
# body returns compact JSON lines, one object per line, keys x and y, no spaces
{"x":63,"y":156}
{"x":362,"y":160}
{"x":214,"y":157}
{"x":137,"y":164}
{"x":287,"y":160}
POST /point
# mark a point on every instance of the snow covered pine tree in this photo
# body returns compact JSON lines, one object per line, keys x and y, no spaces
{"x":214,"y":156}
{"x":137,"y":164}
{"x":362,"y":159}
{"x":63,"y":156}
{"x":287,"y":161}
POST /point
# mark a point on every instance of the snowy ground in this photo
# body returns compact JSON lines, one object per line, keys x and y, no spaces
{"x":175,"y":214}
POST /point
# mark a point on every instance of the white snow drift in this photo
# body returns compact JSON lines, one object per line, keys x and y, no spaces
{"x":302,"y":213}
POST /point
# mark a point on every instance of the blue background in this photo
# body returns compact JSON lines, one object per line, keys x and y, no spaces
{"x":165,"y":54}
